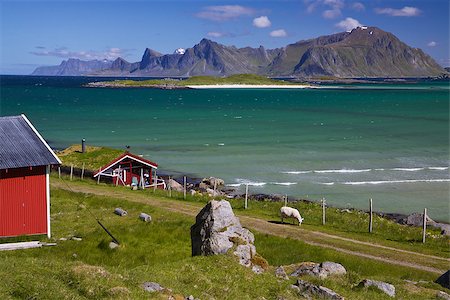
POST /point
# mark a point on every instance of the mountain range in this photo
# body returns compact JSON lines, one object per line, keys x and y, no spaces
{"x":361,"y":52}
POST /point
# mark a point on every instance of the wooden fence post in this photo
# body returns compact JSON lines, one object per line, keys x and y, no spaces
{"x":82,"y":172}
{"x":170,"y":188}
{"x":323,"y":211}
{"x":424,"y":229}
{"x":285,"y":200}
{"x":370,"y":215}
{"x":246,"y":196}
{"x":184,"y":188}
{"x":71,"y":172}
{"x":59,"y":172}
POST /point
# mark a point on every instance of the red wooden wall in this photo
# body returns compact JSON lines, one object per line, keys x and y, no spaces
{"x":23,"y":201}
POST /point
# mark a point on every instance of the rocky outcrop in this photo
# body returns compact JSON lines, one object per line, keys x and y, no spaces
{"x":386,"y":288}
{"x":218,"y":231}
{"x":281,"y":273}
{"x":322,"y":270}
{"x":442,"y":295}
{"x":317,"y":291}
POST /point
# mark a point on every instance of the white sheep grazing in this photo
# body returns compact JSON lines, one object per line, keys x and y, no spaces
{"x":289,"y":212}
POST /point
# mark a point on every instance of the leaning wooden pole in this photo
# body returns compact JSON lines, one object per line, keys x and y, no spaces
{"x":169,"y":187}
{"x":424,"y":229}
{"x":246,"y":197}
{"x":82,"y":172}
{"x":323,"y":211}
{"x":184,"y":187}
{"x":370,"y":215}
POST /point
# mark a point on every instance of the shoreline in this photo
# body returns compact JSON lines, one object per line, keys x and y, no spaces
{"x":253,"y":86}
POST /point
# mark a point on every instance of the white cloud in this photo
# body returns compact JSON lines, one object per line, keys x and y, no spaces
{"x":215,"y":34}
{"x":406,"y":11}
{"x":432,"y":44}
{"x":358,"y":6}
{"x":262,"y":22}
{"x":348,"y":24}
{"x":333,"y":7}
{"x":331,"y":13}
{"x":278,"y":33}
{"x":63,"y":52}
{"x":224,"y":12}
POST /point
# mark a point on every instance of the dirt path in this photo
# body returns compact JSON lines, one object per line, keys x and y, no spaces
{"x":429,"y":263}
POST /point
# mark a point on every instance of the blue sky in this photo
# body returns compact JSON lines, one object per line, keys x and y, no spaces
{"x":37,"y":33}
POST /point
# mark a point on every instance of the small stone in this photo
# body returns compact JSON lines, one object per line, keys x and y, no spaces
{"x":317,"y":291}
{"x":152,"y":287}
{"x":74,"y":255}
{"x":113,"y":245}
{"x":63,"y":239}
{"x":145,"y":217}
{"x":257,"y":269}
{"x":78,"y":239}
{"x":190,"y":297}
{"x":386,"y":288}
{"x":281,"y":273}
{"x":443,"y":295}
{"x":333,"y":268}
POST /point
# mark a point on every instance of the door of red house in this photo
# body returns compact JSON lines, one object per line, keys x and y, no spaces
{"x":23,"y":202}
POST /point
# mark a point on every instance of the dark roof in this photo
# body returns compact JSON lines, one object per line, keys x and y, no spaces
{"x":22,"y":146}
{"x":127,"y":155}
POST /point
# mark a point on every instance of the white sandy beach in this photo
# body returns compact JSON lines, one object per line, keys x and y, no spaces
{"x":252,"y":86}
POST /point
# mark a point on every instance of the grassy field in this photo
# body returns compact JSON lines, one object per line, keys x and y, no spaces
{"x":353,"y":224}
{"x":248,"y":79}
{"x":160,"y":251}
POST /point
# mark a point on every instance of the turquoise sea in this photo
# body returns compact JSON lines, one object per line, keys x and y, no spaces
{"x":389,"y":142}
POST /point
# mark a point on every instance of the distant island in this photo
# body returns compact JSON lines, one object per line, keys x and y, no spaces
{"x":360,"y":53}
{"x":233,"y":81}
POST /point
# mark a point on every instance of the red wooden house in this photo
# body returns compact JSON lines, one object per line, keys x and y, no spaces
{"x":131,"y":170}
{"x":25,"y":160}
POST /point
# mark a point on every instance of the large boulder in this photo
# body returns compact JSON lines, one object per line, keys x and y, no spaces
{"x":217,"y":230}
{"x":386,"y":288}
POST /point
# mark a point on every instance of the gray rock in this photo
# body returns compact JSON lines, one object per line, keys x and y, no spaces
{"x":113,"y":245}
{"x":190,"y":297}
{"x":332,"y":268}
{"x":322,"y":270}
{"x":444,"y":280}
{"x":213,"y":193}
{"x":120,"y":212}
{"x":152,"y":287}
{"x":416,"y":219}
{"x":316,"y":290}
{"x":281,"y":273}
{"x":145,"y":217}
{"x":443,"y":295}
{"x":175,"y":185}
{"x":78,"y":239}
{"x":257,"y":269}
{"x":217,"y":230}
{"x":386,"y":288}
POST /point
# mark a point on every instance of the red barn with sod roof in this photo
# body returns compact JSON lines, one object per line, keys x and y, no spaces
{"x":25,"y":160}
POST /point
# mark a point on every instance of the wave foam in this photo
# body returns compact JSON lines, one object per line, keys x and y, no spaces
{"x":394,"y":181}
{"x":343,"y":171}
{"x":407,"y":169}
{"x":283,"y":183}
{"x":438,"y":168}
{"x":296,"y":172}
